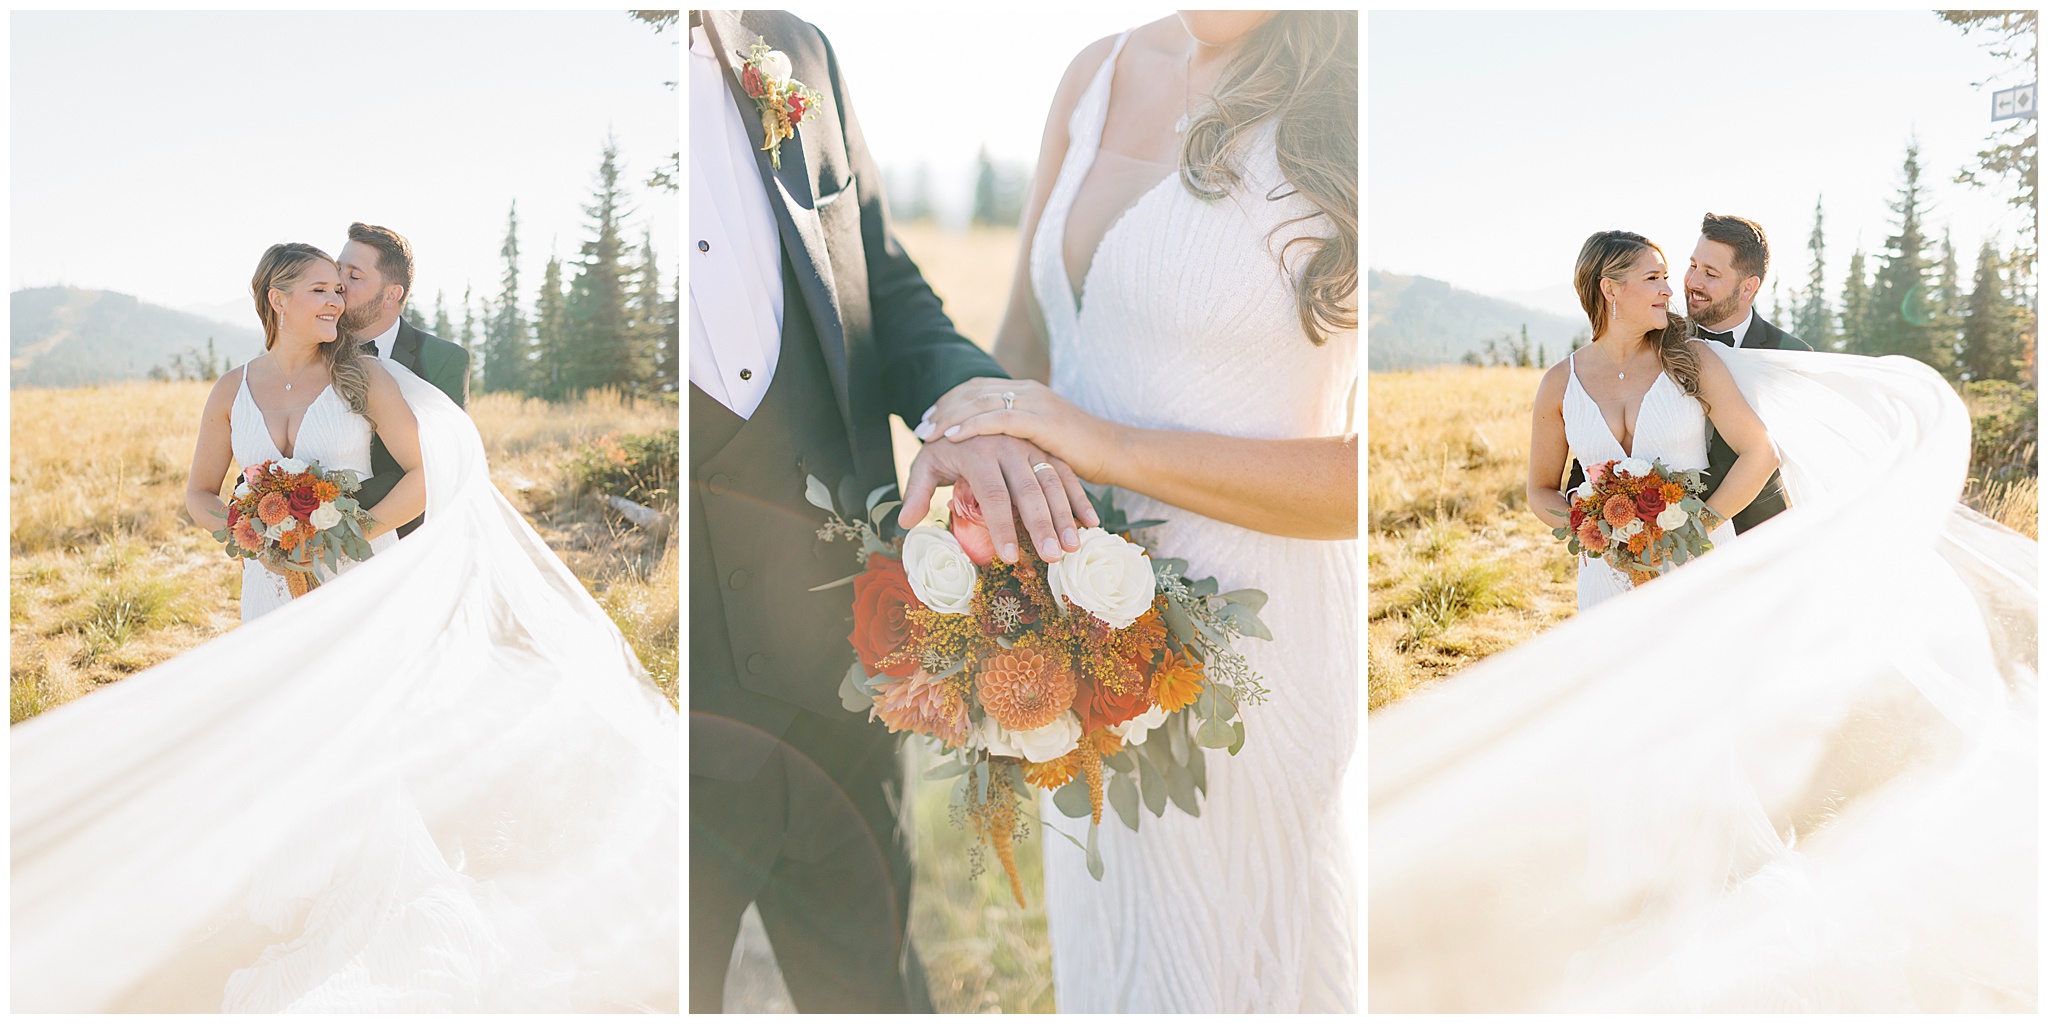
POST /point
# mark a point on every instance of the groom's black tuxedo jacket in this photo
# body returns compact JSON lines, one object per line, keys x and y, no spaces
{"x":863,"y":337}
{"x":441,"y":363}
{"x":1771,"y":500}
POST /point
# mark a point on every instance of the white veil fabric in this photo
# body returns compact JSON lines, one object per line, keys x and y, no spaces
{"x":1798,"y":774}
{"x":441,"y":781}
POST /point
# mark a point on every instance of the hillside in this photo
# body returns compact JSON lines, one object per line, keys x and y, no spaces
{"x":1418,"y":322}
{"x":67,"y":337}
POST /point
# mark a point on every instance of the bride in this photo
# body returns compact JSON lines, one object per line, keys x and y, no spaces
{"x":1798,"y":774}
{"x":1625,"y":286}
{"x":440,"y":782}
{"x":1188,"y":288}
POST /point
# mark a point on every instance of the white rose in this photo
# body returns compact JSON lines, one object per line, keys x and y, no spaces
{"x":1671,"y":518}
{"x":242,"y":489}
{"x":1583,"y":491}
{"x":1635,"y":526}
{"x":1633,"y":467}
{"x":291,"y":465}
{"x":940,"y":573}
{"x":283,"y":526}
{"x":1048,"y":741}
{"x":993,"y":738}
{"x":326,"y":517}
{"x":1134,"y":731}
{"x":1107,"y":575}
{"x":776,"y":66}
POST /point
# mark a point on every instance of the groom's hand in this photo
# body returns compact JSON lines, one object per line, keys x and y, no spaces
{"x":1000,"y":470}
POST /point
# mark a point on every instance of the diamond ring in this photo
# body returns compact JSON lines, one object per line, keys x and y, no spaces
{"x":1009,"y":399}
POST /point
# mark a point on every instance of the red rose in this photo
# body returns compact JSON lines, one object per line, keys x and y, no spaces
{"x":1649,"y":503}
{"x":1100,"y":707}
{"x":881,"y":597}
{"x":796,"y":106}
{"x":303,"y":502}
{"x":750,"y":80}
{"x":1578,"y":517}
{"x":234,"y":515}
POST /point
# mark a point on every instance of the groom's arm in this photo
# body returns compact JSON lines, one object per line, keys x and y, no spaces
{"x":923,"y":355}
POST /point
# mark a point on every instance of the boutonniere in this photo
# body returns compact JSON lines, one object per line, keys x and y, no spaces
{"x":783,"y":101}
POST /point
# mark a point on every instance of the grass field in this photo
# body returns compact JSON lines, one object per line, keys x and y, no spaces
{"x":1457,"y":566}
{"x":108,"y":577}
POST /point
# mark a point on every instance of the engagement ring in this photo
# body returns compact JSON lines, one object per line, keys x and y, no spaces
{"x":1009,"y":399}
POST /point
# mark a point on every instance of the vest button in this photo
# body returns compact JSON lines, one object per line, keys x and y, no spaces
{"x":757,"y":663}
{"x":738,"y":579}
{"x":746,"y":375}
{"x":721,"y":484}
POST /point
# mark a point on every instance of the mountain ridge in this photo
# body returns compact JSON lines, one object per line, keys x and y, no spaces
{"x":61,"y":336}
{"x":1416,"y":322}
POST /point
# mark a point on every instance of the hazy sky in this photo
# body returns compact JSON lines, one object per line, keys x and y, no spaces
{"x":159,"y":153}
{"x":1008,"y":62}
{"x":1496,"y":142}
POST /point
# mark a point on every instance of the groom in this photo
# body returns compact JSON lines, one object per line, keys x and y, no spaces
{"x":376,"y":275}
{"x":809,"y":326}
{"x":1721,"y":285}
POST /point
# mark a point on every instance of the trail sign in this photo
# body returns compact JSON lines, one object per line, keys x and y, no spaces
{"x":2017,"y":101}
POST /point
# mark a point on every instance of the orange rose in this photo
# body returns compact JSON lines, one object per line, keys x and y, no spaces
{"x":881,"y":600}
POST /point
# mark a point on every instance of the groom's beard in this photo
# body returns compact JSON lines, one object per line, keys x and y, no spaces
{"x":354,"y":318}
{"x":1719,"y":312}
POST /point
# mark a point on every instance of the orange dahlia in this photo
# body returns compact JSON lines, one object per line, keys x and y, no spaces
{"x":919,"y":705}
{"x":1619,"y":510}
{"x":1176,"y":682}
{"x":273,"y":508}
{"x":1054,"y":773}
{"x":1022,"y":689}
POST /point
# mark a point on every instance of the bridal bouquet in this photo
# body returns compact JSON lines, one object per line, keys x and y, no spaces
{"x":296,"y":510}
{"x":1639,"y":515}
{"x":1100,"y":678}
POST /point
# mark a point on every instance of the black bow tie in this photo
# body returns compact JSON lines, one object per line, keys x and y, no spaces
{"x":370,"y":346}
{"x":1727,"y":338}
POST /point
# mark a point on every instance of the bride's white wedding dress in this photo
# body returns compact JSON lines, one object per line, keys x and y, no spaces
{"x":440,"y":782}
{"x":1188,"y":322}
{"x":1798,"y":774}
{"x":331,"y":434}
{"x":1670,"y":426}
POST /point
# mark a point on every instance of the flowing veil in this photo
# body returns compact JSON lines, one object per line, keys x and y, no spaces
{"x":1799,"y":774}
{"x":440,"y":782}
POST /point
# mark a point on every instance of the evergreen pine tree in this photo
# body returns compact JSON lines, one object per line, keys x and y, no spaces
{"x":506,"y":353}
{"x":984,"y":188}
{"x":1946,"y":309}
{"x":1899,"y":322}
{"x":550,"y":335}
{"x":1855,"y":313}
{"x":649,"y":313}
{"x":411,"y":312}
{"x":468,"y":337}
{"x":1989,"y":327}
{"x":1815,"y":322}
{"x":442,"y":328}
{"x":601,"y":349}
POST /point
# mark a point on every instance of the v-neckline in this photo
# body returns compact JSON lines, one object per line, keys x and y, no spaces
{"x":264,"y":417}
{"x":1066,"y":274}
{"x":1627,"y":450}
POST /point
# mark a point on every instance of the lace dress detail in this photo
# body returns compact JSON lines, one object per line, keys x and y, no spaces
{"x":1670,"y":426}
{"x":1188,"y":322}
{"x":331,"y":434}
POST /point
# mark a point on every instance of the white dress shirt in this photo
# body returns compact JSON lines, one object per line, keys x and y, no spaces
{"x":1741,"y":330}
{"x":735,"y":252}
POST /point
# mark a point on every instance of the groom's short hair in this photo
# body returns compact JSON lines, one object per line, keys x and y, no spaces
{"x":394,"y":253}
{"x":1745,"y":236}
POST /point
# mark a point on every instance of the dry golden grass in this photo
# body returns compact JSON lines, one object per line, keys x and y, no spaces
{"x":1456,"y":566}
{"x":108,"y":577}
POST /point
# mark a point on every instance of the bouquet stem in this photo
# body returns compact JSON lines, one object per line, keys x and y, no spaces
{"x":299,"y":582}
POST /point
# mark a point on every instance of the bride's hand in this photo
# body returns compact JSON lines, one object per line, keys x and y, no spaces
{"x":1028,"y":410}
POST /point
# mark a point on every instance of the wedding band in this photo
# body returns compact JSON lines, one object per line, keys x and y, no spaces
{"x":1042,"y":465}
{"x":1009,"y":399}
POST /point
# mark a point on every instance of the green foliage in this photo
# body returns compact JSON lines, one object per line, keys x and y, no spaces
{"x":507,"y":350}
{"x":2014,"y":154}
{"x":637,"y":467}
{"x":2004,"y":430}
{"x":1815,"y":322}
{"x":1903,"y":306}
{"x":601,"y":351}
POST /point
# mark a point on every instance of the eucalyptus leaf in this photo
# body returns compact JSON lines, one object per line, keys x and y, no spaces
{"x":872,"y":545}
{"x":1239,"y":745}
{"x":880,"y":512}
{"x":818,"y":494}
{"x":1180,"y":787}
{"x":981,"y":777}
{"x":1122,"y":761}
{"x":1177,"y":740}
{"x":838,"y":582}
{"x":1151,"y":785}
{"x":1202,"y":587}
{"x":876,"y":495}
{"x":1252,"y":599}
{"x":1177,"y":620}
{"x":1143,"y":524}
{"x":955,"y":667}
{"x":1123,"y":798}
{"x":1198,"y":766}
{"x":853,"y":695}
{"x":946,"y":769}
{"x":1214,"y":734}
{"x":1176,"y":566}
{"x":1094,"y":853}
{"x":1072,"y":799}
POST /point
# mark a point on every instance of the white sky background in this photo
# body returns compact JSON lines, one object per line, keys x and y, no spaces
{"x":1496,"y":142}
{"x":158,"y":154}
{"x":932,"y":85}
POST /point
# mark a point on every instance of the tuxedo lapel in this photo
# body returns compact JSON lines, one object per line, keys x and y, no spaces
{"x":794,"y":202}
{"x":405,"y":348}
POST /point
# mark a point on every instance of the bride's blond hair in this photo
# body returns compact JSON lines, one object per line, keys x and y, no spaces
{"x":1300,"y":68}
{"x":281,"y":267}
{"x":1610,"y":255}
